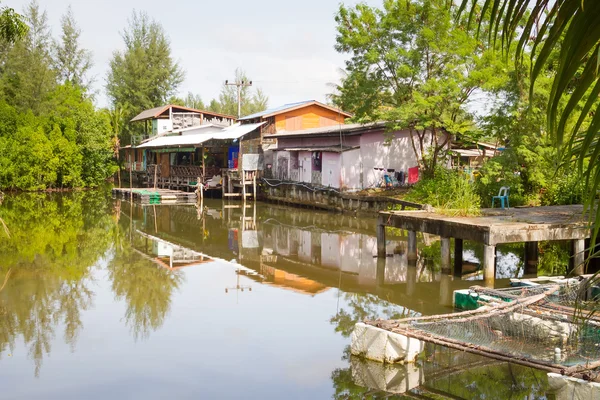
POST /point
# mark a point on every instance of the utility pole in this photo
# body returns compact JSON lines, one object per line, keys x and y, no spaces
{"x":239,"y":85}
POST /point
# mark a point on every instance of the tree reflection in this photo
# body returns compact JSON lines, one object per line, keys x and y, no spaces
{"x":442,"y":373}
{"x":361,"y":306}
{"x":46,"y":263}
{"x":146,"y":290}
{"x":141,"y":282}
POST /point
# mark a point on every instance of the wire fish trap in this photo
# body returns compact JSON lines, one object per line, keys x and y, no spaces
{"x":528,"y":326}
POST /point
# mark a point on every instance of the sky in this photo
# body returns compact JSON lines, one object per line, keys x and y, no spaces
{"x":286,"y":48}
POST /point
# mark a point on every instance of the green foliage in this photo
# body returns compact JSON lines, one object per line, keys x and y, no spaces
{"x":51,"y":135}
{"x":567,"y":187}
{"x":563,"y":38}
{"x":251,"y":101}
{"x":28,"y":76}
{"x":144,"y":75}
{"x":449,"y":191}
{"x":68,"y":146}
{"x":72,"y":62}
{"x":12,"y":25}
{"x":413,"y":63}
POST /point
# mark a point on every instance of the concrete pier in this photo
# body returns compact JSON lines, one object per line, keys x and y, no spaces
{"x":412,"y":245}
{"x":578,"y":254}
{"x":531,"y":259}
{"x":446,"y":258}
{"x":495,"y":226}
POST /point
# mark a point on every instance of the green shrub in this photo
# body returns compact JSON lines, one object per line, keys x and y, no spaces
{"x":566,"y":188}
{"x":449,"y":191}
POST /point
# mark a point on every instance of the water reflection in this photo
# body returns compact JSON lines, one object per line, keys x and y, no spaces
{"x":441,"y":373}
{"x":46,"y":266}
{"x":152,"y":275}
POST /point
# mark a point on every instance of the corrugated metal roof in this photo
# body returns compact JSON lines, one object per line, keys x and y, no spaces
{"x":156,"y":111}
{"x":344,"y":128}
{"x":193,"y":139}
{"x":237,"y":131}
{"x":277,"y":110}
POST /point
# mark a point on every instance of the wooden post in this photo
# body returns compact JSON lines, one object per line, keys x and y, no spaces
{"x":254,"y":185}
{"x":130,"y":183}
{"x":445,"y":248}
{"x":531,"y":259}
{"x":203,"y":166}
{"x":489,"y":265}
{"x":578,"y":254}
{"x":458,"y":257}
{"x":412,"y":245}
{"x":243,"y":173}
{"x":381,"y":238}
{"x":155,"y":175}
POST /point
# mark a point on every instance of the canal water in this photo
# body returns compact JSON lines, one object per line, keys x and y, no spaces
{"x":101,"y":299}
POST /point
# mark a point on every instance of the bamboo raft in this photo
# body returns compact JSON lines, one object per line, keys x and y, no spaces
{"x":154,"y":196}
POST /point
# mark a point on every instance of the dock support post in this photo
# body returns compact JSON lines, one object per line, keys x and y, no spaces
{"x":458,"y":257}
{"x":446,"y":292}
{"x":381,"y":270}
{"x":578,"y":254}
{"x":445,"y":249}
{"x":412,"y":245}
{"x":411,"y":277}
{"x":531,"y":259}
{"x":381,"y":238}
{"x":489,"y":265}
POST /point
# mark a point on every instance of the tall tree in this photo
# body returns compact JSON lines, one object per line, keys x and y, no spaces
{"x":413,"y":64}
{"x":194,"y":101}
{"x":144,"y":75}
{"x":28,"y":75}
{"x":252,"y":101}
{"x":72,"y":61}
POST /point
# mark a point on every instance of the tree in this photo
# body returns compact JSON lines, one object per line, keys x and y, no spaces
{"x":144,"y":75}
{"x":28,"y":75}
{"x":571,"y":27}
{"x":193,"y":101}
{"x":72,"y":62}
{"x":411,"y":63}
{"x":12,"y":25}
{"x":251,"y":102}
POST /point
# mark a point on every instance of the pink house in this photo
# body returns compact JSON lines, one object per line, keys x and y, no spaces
{"x":348,"y":157}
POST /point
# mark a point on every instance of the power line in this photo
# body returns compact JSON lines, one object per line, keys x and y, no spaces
{"x":239,"y":86}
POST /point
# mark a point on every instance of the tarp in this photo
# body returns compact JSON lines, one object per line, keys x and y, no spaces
{"x":413,"y":175}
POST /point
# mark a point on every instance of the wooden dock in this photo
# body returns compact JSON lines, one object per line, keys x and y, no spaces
{"x":154,"y":196}
{"x":495,"y":226}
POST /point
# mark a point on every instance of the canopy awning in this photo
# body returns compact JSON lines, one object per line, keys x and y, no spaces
{"x":196,"y":139}
{"x":177,"y":141}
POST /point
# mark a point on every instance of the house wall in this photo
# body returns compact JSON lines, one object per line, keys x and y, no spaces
{"x":330,"y":170}
{"x":376,"y":153}
{"x":308,"y":117}
{"x":283,"y":143}
{"x":304,"y":166}
{"x":351,"y":170}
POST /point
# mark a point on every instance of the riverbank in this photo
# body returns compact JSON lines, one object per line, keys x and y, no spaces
{"x":329,"y":199}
